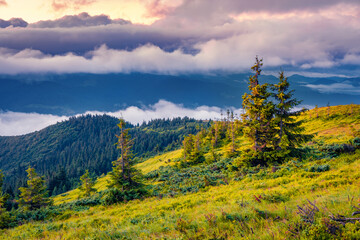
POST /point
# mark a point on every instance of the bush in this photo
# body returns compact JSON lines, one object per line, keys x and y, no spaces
{"x":356,"y":142}
{"x":318,"y":168}
{"x":181,"y":181}
{"x":275,"y":197}
{"x":6,"y":219}
{"x":336,"y":149}
{"x":115,"y":195}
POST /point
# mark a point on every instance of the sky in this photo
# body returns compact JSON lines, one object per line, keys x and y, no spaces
{"x":174,"y":37}
{"x":179,"y":36}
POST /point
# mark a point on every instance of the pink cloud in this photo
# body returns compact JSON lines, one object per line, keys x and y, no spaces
{"x":158,"y":8}
{"x":59,"y":5}
{"x":3,"y":3}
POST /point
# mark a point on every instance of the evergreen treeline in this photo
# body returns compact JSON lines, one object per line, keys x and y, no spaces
{"x":62,"y":152}
{"x":268,"y":122}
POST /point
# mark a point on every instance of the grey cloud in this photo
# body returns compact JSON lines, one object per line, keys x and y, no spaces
{"x":14,"y":22}
{"x":80,"y":20}
{"x":82,"y":39}
{"x":313,"y":42}
{"x":134,"y":48}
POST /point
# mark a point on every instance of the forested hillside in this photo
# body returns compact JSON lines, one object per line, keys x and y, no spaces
{"x":64,"y":151}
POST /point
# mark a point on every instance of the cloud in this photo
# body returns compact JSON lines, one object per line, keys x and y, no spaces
{"x":14,"y":22}
{"x":15,"y":123}
{"x":161,"y":8}
{"x":232,"y":54}
{"x":344,"y":88}
{"x":80,"y":20}
{"x":214,"y":56}
{"x":325,"y":38}
{"x":3,"y":3}
{"x":164,"y":109}
{"x":59,"y":5}
{"x":218,"y":13}
{"x":83,"y":39}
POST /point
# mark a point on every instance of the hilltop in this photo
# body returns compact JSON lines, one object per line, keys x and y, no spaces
{"x":62,"y":152}
{"x":307,"y":198}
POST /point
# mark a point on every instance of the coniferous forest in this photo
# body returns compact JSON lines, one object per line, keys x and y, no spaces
{"x":62,"y":152}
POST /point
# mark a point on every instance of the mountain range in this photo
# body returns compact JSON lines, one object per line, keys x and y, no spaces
{"x":70,"y":94}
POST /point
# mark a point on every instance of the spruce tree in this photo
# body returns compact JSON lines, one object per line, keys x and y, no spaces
{"x":35,"y":195}
{"x":192,"y":150}
{"x":258,"y":112}
{"x":289,"y":129}
{"x":231,"y":133}
{"x":124,"y":176}
{"x":188,"y":145}
{"x":87,"y":184}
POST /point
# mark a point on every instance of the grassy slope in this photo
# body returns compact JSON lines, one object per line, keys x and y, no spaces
{"x":147,"y":166}
{"x":228,"y":211}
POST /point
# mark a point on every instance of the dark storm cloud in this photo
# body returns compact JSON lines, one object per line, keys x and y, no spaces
{"x":81,"y":20}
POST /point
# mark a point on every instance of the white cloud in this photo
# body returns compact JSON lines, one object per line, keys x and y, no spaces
{"x":344,"y":87}
{"x":15,"y":123}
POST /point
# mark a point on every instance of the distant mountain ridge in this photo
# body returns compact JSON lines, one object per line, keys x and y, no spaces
{"x":70,"y":94}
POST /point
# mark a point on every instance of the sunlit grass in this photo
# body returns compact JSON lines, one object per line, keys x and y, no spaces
{"x":158,"y":161}
{"x":102,"y":182}
{"x":154,"y":218}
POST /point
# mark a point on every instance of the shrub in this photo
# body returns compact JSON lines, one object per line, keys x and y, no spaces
{"x":275,"y":197}
{"x":336,"y":149}
{"x":181,"y":181}
{"x":318,"y":168}
{"x":115,"y":195}
{"x":6,"y":219}
{"x":356,"y":142}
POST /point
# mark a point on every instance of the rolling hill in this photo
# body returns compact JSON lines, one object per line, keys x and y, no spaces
{"x":62,"y":152}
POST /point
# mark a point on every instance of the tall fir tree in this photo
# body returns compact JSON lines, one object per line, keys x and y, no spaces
{"x":34,"y":195}
{"x":258,"y":112}
{"x":87,"y":184}
{"x":124,"y":175}
{"x":290,"y":133}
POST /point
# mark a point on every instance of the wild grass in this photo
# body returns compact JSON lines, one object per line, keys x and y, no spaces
{"x":262,"y":205}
